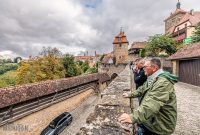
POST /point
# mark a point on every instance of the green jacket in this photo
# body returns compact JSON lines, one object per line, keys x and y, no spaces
{"x":158,"y":109}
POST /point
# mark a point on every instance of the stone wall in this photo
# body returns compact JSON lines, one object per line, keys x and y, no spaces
{"x":110,"y":69}
{"x":104,"y":119}
{"x":13,"y":95}
{"x":34,"y":123}
{"x":37,"y":121}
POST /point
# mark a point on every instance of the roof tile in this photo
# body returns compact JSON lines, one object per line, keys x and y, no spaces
{"x":189,"y":51}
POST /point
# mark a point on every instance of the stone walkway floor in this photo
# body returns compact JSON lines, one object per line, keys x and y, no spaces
{"x":188,"y":103}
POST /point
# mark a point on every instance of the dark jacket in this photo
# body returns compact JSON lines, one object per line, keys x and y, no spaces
{"x":158,"y":110}
{"x":139,"y":78}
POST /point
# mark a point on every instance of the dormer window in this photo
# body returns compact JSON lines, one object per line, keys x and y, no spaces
{"x":119,"y":39}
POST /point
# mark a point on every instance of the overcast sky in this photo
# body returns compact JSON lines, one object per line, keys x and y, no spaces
{"x":76,"y":26}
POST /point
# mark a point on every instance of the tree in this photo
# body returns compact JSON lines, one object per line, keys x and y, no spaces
{"x":4,"y":61}
{"x":85,"y":66}
{"x":160,"y":43}
{"x":50,"y":52}
{"x":91,"y":70}
{"x":46,"y":67}
{"x":71,"y":68}
{"x":8,"y":79}
{"x":25,"y":73}
{"x":7,"y":67}
{"x":196,"y":34}
{"x":142,"y":53}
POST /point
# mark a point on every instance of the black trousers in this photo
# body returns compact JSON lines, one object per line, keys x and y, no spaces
{"x":146,"y":131}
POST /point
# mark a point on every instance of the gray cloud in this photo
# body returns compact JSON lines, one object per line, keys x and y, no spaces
{"x":77,"y":26}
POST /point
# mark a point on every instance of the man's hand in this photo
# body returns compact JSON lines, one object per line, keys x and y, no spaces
{"x":125,"y":95}
{"x":125,"y":118}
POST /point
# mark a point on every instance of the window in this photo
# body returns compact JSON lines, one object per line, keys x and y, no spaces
{"x":120,"y":45}
{"x":62,"y":121}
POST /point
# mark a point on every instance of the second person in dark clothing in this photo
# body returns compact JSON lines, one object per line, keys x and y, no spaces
{"x":139,"y":74}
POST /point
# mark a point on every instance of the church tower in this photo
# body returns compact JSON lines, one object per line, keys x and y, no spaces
{"x":120,"y":48}
{"x":174,"y":18}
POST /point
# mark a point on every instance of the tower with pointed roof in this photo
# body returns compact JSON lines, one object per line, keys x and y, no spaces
{"x":120,"y":48}
{"x":174,"y":18}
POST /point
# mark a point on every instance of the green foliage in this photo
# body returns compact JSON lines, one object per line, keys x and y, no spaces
{"x":25,"y":73}
{"x":71,"y":68}
{"x":3,"y":61}
{"x":8,"y":79}
{"x":85,"y":66}
{"x":91,"y":70}
{"x":7,"y":67}
{"x":160,"y":43}
{"x":3,"y":84}
{"x":196,"y":34}
{"x":46,"y":67}
{"x":142,"y":53}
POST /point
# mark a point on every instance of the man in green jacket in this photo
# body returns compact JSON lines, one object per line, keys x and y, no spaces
{"x":157,"y":113}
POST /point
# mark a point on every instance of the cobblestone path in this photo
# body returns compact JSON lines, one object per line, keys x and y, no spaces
{"x":188,"y":102}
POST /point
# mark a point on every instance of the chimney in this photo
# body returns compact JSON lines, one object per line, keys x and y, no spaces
{"x":192,"y":11}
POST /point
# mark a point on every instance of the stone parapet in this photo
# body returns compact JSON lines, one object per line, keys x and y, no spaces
{"x":104,"y":119}
{"x":13,"y":95}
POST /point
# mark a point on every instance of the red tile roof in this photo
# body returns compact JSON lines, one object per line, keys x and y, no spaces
{"x":138,"y":45}
{"x":177,"y":11}
{"x":107,"y":57}
{"x":194,"y":19}
{"x":79,"y":58}
{"x":120,"y":38}
{"x":189,"y":51}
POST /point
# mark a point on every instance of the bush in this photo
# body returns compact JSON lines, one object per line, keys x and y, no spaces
{"x":142,"y":53}
{"x":8,"y":79}
{"x":71,"y":67}
{"x":7,"y":67}
{"x":46,"y":67}
{"x":91,"y":71}
{"x":3,"y":84}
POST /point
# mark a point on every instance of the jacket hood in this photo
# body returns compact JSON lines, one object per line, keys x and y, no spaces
{"x":172,"y":78}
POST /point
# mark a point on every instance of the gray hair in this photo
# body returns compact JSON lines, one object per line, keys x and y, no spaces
{"x":142,"y":61}
{"x":155,"y":61}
